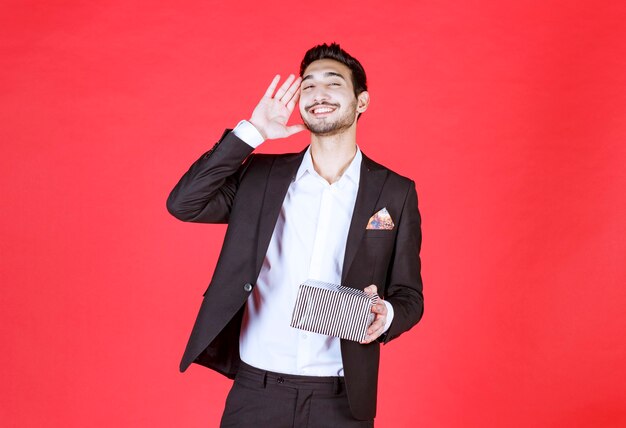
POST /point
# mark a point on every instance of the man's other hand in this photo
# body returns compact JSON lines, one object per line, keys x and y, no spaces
{"x":270,"y":116}
{"x":377,"y":327}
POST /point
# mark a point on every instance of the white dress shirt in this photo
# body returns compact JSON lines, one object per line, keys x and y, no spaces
{"x":308,"y":242}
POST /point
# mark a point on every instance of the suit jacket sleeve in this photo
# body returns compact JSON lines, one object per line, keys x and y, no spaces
{"x":404,"y":289}
{"x":206,"y":192}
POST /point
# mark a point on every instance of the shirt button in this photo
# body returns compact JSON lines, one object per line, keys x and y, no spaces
{"x":304,"y":336}
{"x":280,"y":380}
{"x":247,"y":287}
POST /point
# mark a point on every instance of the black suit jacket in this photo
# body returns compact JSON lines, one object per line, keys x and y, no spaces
{"x":229,"y":184}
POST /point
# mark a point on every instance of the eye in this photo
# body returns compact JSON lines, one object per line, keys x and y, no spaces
{"x":307,"y":87}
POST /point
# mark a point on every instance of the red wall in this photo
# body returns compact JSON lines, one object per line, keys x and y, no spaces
{"x":510,"y":116}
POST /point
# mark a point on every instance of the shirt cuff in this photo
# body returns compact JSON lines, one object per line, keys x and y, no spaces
{"x":389,"y":315}
{"x":247,"y":133}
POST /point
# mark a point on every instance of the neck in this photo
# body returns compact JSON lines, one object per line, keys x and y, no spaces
{"x":332,"y":154}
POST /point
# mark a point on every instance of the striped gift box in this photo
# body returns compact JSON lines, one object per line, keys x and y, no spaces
{"x":333,"y":310}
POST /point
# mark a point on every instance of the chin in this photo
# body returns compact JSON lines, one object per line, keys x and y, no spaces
{"x":322,"y":129}
{"x":328,"y":129}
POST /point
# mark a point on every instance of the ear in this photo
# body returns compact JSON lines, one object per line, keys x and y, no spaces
{"x":363,"y":101}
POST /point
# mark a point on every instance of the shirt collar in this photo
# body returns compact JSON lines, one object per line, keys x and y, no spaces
{"x":353,"y":172}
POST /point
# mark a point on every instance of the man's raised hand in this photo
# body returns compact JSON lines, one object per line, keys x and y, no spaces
{"x":270,"y":116}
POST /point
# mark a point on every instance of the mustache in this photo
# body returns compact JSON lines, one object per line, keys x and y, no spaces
{"x":309,"y":107}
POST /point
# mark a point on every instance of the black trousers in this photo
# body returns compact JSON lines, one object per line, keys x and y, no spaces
{"x":260,"y":399}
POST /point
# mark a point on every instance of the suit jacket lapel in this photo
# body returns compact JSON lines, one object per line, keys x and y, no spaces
{"x":370,"y":185}
{"x":282,"y":171}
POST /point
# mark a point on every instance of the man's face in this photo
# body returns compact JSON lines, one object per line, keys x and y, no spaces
{"x":328,"y":105}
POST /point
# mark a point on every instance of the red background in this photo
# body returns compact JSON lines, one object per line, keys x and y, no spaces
{"x":510,"y":116}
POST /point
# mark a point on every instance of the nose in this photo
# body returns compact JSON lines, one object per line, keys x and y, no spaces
{"x":320,"y":95}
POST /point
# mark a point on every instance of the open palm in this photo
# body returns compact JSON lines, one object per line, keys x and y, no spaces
{"x":270,"y":116}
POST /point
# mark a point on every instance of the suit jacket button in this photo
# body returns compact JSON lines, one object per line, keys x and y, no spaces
{"x":247,"y":287}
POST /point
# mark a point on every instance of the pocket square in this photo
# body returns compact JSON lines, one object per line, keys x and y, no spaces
{"x":380,"y":221}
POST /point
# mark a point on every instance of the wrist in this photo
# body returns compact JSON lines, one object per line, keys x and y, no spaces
{"x":259,"y":129}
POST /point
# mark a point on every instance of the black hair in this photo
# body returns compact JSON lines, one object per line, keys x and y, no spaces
{"x":334,"y":51}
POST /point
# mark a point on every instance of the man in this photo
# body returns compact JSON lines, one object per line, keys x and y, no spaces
{"x":328,"y":213}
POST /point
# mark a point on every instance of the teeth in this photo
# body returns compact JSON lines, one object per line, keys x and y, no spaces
{"x":322,"y":110}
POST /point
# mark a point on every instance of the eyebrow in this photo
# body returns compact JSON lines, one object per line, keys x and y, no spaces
{"x":327,"y":74}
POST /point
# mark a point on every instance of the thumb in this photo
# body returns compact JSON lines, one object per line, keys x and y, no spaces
{"x":371,"y":289}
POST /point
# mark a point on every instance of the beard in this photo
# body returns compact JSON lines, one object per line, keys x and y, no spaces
{"x":327,"y":127}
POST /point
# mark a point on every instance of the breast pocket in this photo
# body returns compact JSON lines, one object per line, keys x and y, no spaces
{"x":380,"y":233}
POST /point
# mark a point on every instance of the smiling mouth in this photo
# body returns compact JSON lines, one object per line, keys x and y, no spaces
{"x":322,"y":110}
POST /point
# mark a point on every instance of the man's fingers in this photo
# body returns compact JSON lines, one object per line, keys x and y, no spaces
{"x":379,"y":321}
{"x":291,"y":91}
{"x":375,"y":327}
{"x":379,"y":308}
{"x":292,"y":103}
{"x":283,"y":88}
{"x":272,"y":87}
{"x":371,"y":289}
{"x":373,"y":335}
